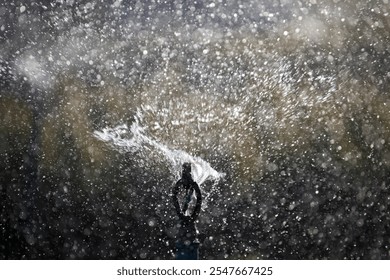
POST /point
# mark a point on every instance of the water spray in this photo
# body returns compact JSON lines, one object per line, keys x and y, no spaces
{"x":186,"y":194}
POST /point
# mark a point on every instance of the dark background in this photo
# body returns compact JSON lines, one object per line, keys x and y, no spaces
{"x":290,"y":99}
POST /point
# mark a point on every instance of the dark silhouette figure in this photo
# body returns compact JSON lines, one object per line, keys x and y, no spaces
{"x":187,"y":243}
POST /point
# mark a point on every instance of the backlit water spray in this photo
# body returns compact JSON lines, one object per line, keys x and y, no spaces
{"x":133,"y":139}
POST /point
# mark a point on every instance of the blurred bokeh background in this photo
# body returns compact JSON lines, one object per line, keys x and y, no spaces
{"x":290,"y":99}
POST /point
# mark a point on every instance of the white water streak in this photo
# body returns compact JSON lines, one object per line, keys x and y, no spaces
{"x":201,"y":170}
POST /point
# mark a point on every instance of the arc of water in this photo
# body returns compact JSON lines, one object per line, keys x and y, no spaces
{"x":201,"y":170}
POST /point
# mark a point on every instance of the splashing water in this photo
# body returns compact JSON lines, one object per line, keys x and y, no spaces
{"x":116,"y":137}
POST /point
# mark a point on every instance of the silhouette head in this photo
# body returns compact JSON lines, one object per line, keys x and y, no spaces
{"x":186,"y":172}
